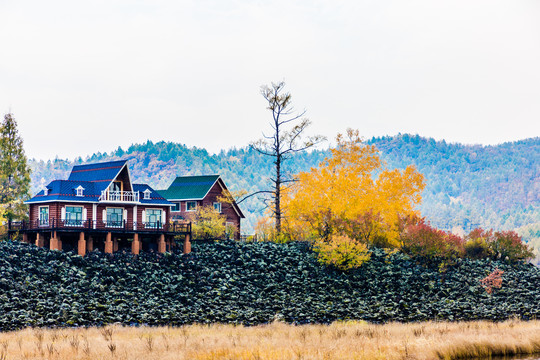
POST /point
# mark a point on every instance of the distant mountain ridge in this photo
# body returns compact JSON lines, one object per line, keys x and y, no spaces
{"x":467,"y":185}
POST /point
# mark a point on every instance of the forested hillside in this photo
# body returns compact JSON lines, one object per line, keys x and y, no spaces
{"x":467,"y":185}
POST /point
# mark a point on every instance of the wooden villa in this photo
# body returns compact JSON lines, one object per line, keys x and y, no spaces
{"x":188,"y":193}
{"x":98,"y":207}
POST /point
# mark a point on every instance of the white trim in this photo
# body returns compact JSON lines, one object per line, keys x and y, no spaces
{"x":135,"y":217}
{"x":94,"y":214}
{"x":217,"y":203}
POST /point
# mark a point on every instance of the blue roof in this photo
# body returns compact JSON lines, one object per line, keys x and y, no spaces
{"x":66,"y":190}
{"x":155,"y":198}
{"x":100,"y":172}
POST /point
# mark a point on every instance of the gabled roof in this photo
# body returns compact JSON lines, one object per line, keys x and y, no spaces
{"x":189,"y":187}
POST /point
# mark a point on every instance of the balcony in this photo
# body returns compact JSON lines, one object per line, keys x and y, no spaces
{"x":119,"y":196}
{"x":99,"y":226}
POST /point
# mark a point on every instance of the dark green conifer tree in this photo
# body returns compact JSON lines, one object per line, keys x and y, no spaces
{"x":14,"y":171}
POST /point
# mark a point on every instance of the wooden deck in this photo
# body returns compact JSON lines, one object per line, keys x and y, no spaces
{"x":98,"y":226}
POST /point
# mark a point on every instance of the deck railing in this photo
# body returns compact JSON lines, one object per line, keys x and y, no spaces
{"x":119,"y":196}
{"x":89,"y":225}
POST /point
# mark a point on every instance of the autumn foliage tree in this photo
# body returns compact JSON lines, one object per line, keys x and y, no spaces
{"x":207,"y":223}
{"x":353,"y":194}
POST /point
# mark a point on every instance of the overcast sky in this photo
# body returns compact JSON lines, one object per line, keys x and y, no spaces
{"x":88,"y":76}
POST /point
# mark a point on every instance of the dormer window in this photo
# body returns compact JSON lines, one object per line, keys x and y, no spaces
{"x":79,"y":190}
{"x":147,"y":193}
{"x":45,"y":192}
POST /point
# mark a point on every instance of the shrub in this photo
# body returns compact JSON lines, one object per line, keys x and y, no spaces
{"x":207,"y":223}
{"x":477,"y":249}
{"x":342,"y":252}
{"x":421,"y":239}
{"x":508,"y":245}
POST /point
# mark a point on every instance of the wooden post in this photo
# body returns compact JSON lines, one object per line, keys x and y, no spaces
{"x":135,"y":246}
{"x":39,"y":240}
{"x":115,"y":244}
{"x":161,"y":244}
{"x":108,"y":244}
{"x":187,"y":244}
{"x":53,"y":244}
{"x":25,"y":238}
{"x":90,"y":244}
{"x":59,"y":242}
{"x":82,"y":244}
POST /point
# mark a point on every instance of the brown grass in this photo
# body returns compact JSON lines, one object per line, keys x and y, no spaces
{"x":349,"y":340}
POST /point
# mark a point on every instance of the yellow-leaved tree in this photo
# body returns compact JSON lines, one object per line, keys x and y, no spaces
{"x":352,"y":194}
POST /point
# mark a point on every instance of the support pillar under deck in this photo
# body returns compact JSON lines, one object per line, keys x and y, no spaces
{"x":81,"y":246}
{"x":108,"y":244}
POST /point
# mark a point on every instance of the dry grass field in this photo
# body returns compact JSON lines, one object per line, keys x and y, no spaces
{"x":349,"y":340}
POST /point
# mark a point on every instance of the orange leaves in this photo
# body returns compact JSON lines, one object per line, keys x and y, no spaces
{"x":493,"y":280}
{"x":351,"y":190}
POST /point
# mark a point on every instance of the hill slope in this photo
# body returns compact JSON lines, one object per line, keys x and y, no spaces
{"x":249,"y":283}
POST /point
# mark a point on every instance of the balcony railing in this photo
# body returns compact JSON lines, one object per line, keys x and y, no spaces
{"x":90,"y":225}
{"x":119,"y":196}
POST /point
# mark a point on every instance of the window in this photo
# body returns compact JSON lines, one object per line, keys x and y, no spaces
{"x":176,"y":207}
{"x":115,"y":217}
{"x":153,"y":218}
{"x":191,"y":205}
{"x":116,"y":186}
{"x":80,"y":190}
{"x":74,"y":215}
{"x":217,"y":207}
{"x":147,"y":193}
{"x":43,"y":216}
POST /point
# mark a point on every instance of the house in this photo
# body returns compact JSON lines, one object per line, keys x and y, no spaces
{"x":98,"y":207}
{"x":188,"y":193}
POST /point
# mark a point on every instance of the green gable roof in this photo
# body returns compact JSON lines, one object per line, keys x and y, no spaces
{"x":189,"y":187}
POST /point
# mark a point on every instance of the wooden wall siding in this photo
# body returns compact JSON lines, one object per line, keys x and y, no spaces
{"x":55,"y":211}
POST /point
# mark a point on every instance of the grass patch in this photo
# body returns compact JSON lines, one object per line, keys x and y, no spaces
{"x":339,"y":340}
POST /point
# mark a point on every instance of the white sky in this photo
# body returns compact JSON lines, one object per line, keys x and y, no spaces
{"x":88,"y":76}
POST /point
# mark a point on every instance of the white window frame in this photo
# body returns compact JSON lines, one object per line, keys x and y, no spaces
{"x":48,"y":215}
{"x":154,"y":225}
{"x":146,"y":194}
{"x":110,"y":223}
{"x":187,"y":207}
{"x":69,"y":222}
{"x":177,"y":207}
{"x":217,"y":207}
{"x":79,"y":191}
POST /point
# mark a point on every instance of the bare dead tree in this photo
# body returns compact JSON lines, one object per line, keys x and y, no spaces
{"x":287,"y":128}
